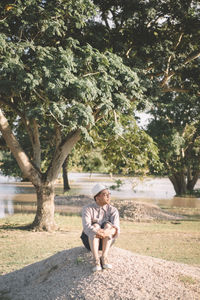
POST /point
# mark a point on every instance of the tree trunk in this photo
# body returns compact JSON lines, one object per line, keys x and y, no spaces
{"x":44,"y":183}
{"x":192,"y":181}
{"x":66,"y":186}
{"x":179,"y":183}
{"x":44,"y":219}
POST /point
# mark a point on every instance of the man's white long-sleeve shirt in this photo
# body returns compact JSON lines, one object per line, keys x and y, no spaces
{"x":94,"y":213}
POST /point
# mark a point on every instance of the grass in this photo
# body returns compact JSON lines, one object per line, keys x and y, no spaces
{"x":171,"y":241}
{"x":187,"y":279}
{"x":175,"y":241}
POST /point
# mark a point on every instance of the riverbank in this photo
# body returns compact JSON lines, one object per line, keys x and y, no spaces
{"x":20,"y":197}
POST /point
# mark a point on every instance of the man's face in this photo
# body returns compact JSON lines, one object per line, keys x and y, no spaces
{"x":103,"y":198}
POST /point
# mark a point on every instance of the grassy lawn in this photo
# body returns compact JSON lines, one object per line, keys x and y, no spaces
{"x":176,"y":241}
{"x":171,"y":241}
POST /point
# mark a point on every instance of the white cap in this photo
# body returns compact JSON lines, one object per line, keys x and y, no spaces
{"x":97,"y":189}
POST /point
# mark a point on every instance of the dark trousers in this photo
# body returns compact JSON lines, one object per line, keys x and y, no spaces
{"x":85,"y":239}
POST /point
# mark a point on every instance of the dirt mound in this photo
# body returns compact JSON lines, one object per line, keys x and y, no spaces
{"x":128,"y":209}
{"x":67,"y":275}
{"x":143,"y":212}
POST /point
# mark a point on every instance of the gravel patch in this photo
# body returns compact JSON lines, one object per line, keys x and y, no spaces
{"x":143,"y":212}
{"x":68,"y":275}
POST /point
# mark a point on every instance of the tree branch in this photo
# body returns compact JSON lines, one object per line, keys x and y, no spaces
{"x":90,"y":74}
{"x":174,"y":89}
{"x":192,"y":57}
{"x":36,"y":145}
{"x":104,"y":18}
{"x":22,"y":159}
{"x":61,"y":153}
{"x":11,"y":105}
{"x":96,"y":115}
{"x":170,"y":58}
{"x":58,"y":136}
{"x":167,"y":89}
{"x":42,"y":98}
{"x":63,"y":125}
{"x":172,"y":73}
{"x":156,"y":20}
{"x":127,"y":53}
{"x":19,"y":113}
{"x":32,"y":133}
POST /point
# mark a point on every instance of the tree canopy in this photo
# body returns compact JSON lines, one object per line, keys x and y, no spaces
{"x":161,"y":39}
{"x":54,"y":87}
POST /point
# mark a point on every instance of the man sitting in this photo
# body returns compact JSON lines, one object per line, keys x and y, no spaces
{"x":100,"y":226}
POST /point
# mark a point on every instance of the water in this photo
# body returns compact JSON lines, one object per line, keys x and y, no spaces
{"x":20,"y":196}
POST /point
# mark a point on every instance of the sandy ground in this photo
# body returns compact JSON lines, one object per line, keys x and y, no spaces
{"x":68,"y":275}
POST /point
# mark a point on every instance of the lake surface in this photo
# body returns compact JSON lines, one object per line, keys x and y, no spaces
{"x":20,"y":196}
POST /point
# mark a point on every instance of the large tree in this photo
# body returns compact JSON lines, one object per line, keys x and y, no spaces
{"x":161,"y":38}
{"x":175,"y":127}
{"x":55,"y":87}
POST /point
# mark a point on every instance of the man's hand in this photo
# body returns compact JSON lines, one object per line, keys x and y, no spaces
{"x":101,"y":234}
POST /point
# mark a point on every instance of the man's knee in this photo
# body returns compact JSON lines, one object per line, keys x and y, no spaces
{"x":108,"y":226}
{"x":96,"y":226}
